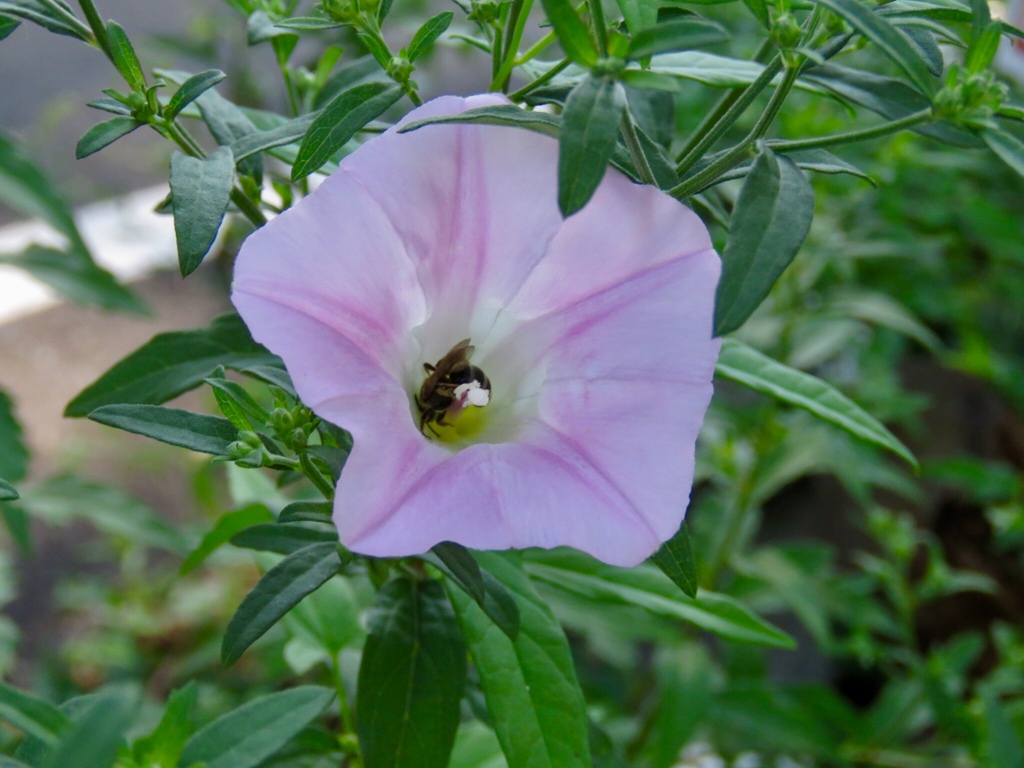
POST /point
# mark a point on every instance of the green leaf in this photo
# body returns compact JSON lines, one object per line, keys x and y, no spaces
{"x":287,"y":133}
{"x":458,"y":564}
{"x":172,"y":363}
{"x":195,"y":431}
{"x":745,"y":365}
{"x":1003,"y":747}
{"x":639,"y":14}
{"x":191,"y":90}
{"x":165,"y":744}
{"x":48,"y":14}
{"x":650,"y":589}
{"x":227,"y":526}
{"x":280,"y":590}
{"x":771,"y":219}
{"x":411,"y":678}
{"x":10,"y":762}
{"x":307,"y":511}
{"x":64,"y":499}
{"x":282,"y":538}
{"x":675,"y":558}
{"x":346,"y":114}
{"x":247,"y":736}
{"x":887,"y":96}
{"x":32,"y":715}
{"x":883,"y":34}
{"x":13,"y":453}
{"x":7,"y":491}
{"x":462,"y":566}
{"x":427,"y":35}
{"x":261,"y":28}
{"x":76,"y":277}
{"x":1008,"y":147}
{"x":760,"y":10}
{"x":530,"y":684}
{"x":7,"y":26}
{"x":309,"y":23}
{"x":677,"y":35}
{"x":590,"y":130}
{"x":817,"y":160}
{"x":96,"y":735}
{"x":232,"y":397}
{"x":200,"y":192}
{"x":24,"y":188}
{"x":572,"y":32}
{"x":125,"y":59}
{"x":103,"y":134}
{"x":229,"y":124}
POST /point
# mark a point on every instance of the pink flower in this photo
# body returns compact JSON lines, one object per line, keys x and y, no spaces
{"x":593,"y":355}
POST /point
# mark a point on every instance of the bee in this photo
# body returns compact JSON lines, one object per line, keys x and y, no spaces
{"x":437,"y":394}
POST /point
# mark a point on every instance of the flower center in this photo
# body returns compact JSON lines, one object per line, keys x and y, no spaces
{"x":453,"y":395}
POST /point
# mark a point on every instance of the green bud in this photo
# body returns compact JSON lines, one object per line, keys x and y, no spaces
{"x":250,"y":438}
{"x":609,"y":66}
{"x":283,"y":420}
{"x":296,"y":439}
{"x":485,"y":11}
{"x":400,"y":69}
{"x":785,"y":31}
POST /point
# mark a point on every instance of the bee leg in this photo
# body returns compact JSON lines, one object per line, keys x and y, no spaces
{"x":429,"y":368}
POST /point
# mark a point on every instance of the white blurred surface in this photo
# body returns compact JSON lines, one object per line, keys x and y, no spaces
{"x":123,"y":234}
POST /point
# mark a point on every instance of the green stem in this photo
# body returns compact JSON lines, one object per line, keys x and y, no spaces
{"x":916,"y":118}
{"x":738,"y":106}
{"x":536,"y":49}
{"x":518,"y":95}
{"x":600,"y":27}
{"x":315,"y":477}
{"x":347,"y":724}
{"x":734,"y":156}
{"x":97,"y":26}
{"x":632,"y":140}
{"x":517,"y":16}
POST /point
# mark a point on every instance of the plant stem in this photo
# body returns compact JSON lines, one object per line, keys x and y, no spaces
{"x":315,"y":477}
{"x":518,"y":95}
{"x":97,"y":27}
{"x":600,"y":27}
{"x":536,"y":49}
{"x":515,"y":25}
{"x":732,"y":157}
{"x":916,"y":118}
{"x":635,"y":150}
{"x":738,"y":106}
{"x":339,"y":685}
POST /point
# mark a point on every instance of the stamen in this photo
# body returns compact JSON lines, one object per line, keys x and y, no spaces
{"x":472,"y":393}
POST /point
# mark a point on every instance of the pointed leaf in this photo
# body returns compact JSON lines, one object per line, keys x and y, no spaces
{"x":883,"y":34}
{"x":530,"y":684}
{"x":675,"y":558}
{"x":13,"y":453}
{"x":172,"y":363}
{"x":7,"y":491}
{"x":681,"y":34}
{"x":247,"y":736}
{"x":103,"y":134}
{"x":745,"y":365}
{"x":49,"y":15}
{"x":309,"y":23}
{"x":229,"y":124}
{"x":32,"y":715}
{"x":653,"y":591}
{"x":411,"y":678}
{"x":96,"y":735}
{"x":191,"y":90}
{"x":771,"y":219}
{"x":572,"y":32}
{"x":125,"y":59}
{"x":7,"y":26}
{"x":195,"y":431}
{"x":489,"y":593}
{"x":339,"y":121}
{"x":280,"y":590}
{"x":200,"y":192}
{"x":1008,"y":147}
{"x":590,"y":130}
{"x":427,"y":35}
{"x":282,"y":538}
{"x":307,"y":511}
{"x":286,"y":133}
{"x":164,"y":745}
